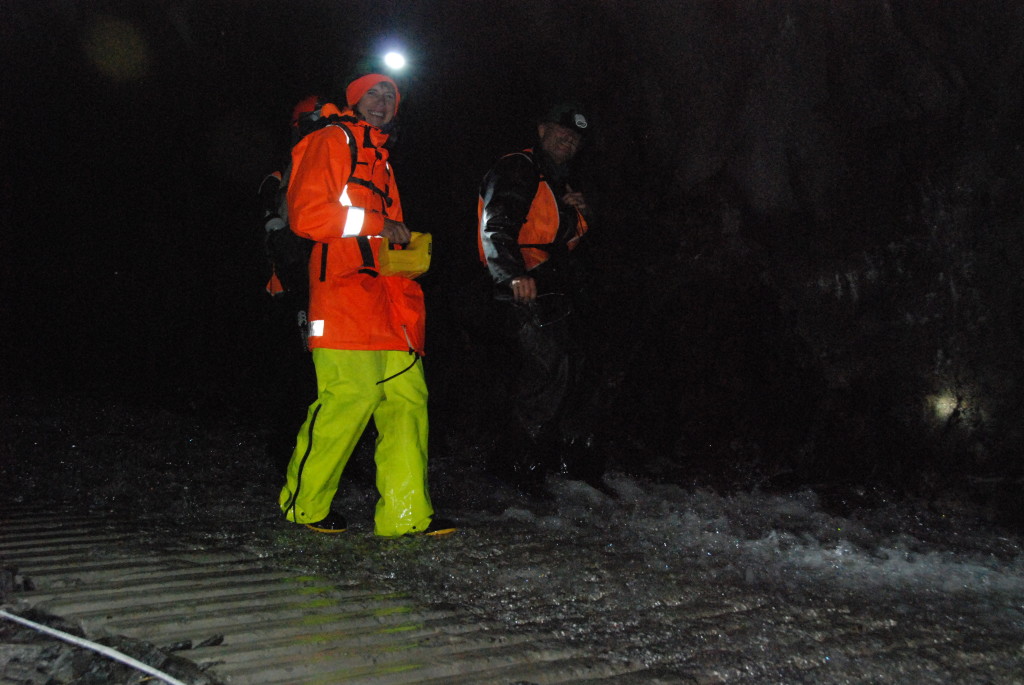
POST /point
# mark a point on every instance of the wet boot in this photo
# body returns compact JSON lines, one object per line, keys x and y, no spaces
{"x":511,"y":461}
{"x":533,"y":459}
{"x":529,"y":479}
{"x":582,"y":461}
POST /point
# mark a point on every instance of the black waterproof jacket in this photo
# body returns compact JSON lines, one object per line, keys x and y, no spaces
{"x":507,"y":194}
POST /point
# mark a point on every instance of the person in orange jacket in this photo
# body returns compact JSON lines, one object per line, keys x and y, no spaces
{"x":532,"y":216}
{"x":366,"y":330}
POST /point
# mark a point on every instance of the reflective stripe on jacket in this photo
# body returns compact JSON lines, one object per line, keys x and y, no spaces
{"x":342,"y":206}
{"x":517,"y":208}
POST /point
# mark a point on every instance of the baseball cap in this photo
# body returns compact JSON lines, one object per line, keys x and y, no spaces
{"x":569,"y":115}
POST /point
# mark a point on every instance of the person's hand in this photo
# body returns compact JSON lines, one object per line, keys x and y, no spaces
{"x":524,"y":289}
{"x":575,"y":199}
{"x":396,"y":232}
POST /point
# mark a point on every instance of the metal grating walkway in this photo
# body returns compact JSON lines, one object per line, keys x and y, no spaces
{"x":278,"y":626}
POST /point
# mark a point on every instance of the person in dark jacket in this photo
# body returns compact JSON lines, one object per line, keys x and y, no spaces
{"x":532,"y":217}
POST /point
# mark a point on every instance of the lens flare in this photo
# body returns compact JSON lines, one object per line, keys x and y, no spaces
{"x":117,"y":49}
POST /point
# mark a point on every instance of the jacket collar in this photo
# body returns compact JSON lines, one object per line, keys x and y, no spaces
{"x":377,"y":136}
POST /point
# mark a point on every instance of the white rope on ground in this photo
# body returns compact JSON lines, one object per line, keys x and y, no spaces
{"x":105,"y":651}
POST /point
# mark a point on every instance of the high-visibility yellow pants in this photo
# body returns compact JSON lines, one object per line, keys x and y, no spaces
{"x":348,"y":394}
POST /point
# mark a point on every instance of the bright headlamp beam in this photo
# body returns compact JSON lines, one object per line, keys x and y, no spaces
{"x":394,"y":60}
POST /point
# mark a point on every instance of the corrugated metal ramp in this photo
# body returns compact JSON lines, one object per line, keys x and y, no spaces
{"x":277,"y":626}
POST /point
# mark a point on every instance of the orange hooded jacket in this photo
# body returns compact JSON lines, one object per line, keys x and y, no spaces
{"x":343,"y":206}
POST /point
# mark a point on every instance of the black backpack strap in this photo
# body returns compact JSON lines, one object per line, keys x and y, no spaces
{"x":367,"y":143}
{"x":369,"y":265}
{"x":367,"y":184}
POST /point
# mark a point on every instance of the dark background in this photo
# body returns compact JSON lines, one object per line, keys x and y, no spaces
{"x":806,"y":270}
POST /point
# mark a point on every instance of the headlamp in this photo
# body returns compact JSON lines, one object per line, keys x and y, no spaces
{"x":394,"y":61}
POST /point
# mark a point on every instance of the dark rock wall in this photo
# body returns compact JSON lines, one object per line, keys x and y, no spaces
{"x":810,"y":242}
{"x":807,"y":263}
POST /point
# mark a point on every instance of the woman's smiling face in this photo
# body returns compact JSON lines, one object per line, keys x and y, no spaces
{"x":377,"y":106}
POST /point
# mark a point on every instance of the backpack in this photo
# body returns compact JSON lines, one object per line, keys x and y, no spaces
{"x":287,"y":252}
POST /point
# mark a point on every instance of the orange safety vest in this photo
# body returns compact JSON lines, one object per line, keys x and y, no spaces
{"x":542,"y":226}
{"x":342,"y":206}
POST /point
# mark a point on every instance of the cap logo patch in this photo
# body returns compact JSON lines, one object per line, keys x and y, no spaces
{"x":579,"y":120}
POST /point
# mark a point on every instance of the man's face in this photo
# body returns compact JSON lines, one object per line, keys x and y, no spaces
{"x":377,"y":106}
{"x":559,"y":142}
